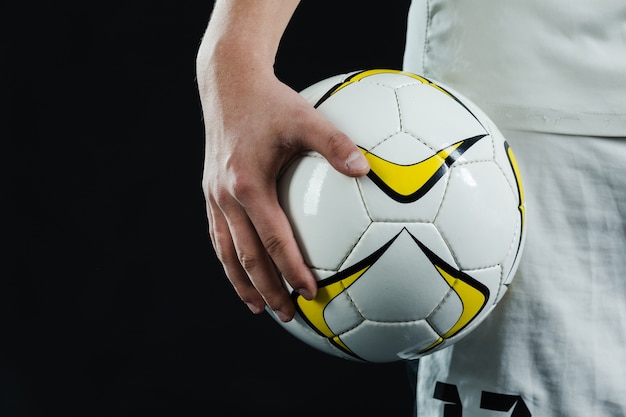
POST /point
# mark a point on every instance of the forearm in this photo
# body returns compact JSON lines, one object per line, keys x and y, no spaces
{"x":244,"y":34}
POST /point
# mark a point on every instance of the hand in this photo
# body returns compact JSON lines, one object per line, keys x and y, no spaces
{"x":254,"y":126}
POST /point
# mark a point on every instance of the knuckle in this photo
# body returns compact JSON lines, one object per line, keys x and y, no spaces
{"x":336,"y":142}
{"x":206,"y":185}
{"x":248,"y":261}
{"x":242,"y":189}
{"x":224,"y":256}
{"x":274,"y":245}
{"x":222,"y":197}
{"x":222,"y":245}
{"x":236,"y":185}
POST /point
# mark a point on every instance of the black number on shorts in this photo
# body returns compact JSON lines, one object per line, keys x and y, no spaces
{"x":449,"y":394}
{"x":504,"y":402}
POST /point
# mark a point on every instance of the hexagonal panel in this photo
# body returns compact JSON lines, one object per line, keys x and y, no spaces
{"x":478,"y":215}
{"x":434,"y":117}
{"x":325,"y":210}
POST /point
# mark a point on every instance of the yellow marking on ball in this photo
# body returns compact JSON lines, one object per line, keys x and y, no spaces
{"x":364,"y":74}
{"x":313,"y":310}
{"x":518,"y":179}
{"x":473,"y":301}
{"x":408,"y":179}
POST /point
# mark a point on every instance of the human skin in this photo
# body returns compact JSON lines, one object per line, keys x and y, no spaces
{"x":254,"y":125}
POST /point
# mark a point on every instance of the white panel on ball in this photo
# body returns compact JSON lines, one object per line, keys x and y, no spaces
{"x":325,"y":210}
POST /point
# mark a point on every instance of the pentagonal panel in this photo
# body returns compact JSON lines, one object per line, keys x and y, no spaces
{"x":434,"y":117}
{"x":406,"y":181}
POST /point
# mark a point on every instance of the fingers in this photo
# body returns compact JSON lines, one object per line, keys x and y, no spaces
{"x":337,"y":148}
{"x":253,"y":247}
{"x":275,"y":233}
{"x":250,"y":232}
{"x":227,"y":255}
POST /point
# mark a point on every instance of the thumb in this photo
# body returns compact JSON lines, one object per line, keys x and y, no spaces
{"x":340,"y":151}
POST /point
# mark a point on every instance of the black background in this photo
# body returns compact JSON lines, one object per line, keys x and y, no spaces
{"x":112,"y":302}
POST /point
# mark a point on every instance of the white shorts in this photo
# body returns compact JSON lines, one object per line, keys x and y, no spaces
{"x":556,"y":344}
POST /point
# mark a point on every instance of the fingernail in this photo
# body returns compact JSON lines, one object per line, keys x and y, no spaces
{"x":255,"y":308}
{"x":357,"y":162}
{"x":305,"y":293}
{"x":282,"y":316}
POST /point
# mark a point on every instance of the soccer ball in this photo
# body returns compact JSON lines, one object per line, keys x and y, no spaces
{"x":413,"y":256}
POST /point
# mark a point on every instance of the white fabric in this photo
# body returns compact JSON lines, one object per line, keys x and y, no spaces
{"x":543,"y":65}
{"x":556,"y":344}
{"x":558,"y":337}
